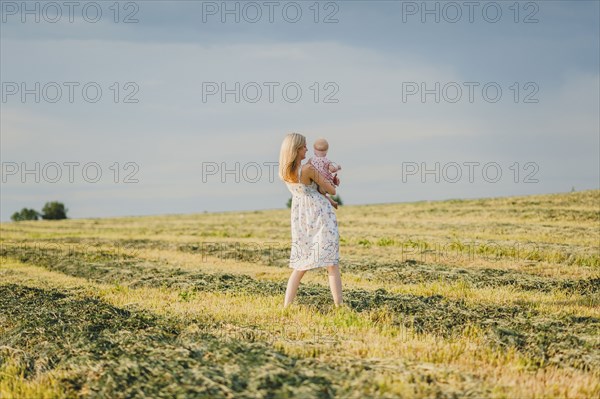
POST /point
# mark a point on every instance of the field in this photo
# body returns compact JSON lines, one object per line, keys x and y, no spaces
{"x":461,"y":298}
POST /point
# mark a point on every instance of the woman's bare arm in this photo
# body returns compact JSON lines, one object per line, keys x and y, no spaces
{"x":320,"y":180}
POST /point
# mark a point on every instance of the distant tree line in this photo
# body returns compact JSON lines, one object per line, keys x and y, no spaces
{"x":51,"y":211}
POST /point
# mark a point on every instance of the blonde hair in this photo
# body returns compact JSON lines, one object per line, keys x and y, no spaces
{"x":288,"y":169}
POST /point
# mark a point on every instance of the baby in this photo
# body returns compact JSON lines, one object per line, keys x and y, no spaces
{"x":325,"y":166}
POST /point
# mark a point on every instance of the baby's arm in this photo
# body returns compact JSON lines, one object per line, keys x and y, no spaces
{"x":334,"y":167}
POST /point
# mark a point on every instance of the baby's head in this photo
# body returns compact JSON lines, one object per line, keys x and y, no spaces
{"x":321,"y":146}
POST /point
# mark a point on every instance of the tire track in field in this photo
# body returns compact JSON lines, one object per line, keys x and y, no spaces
{"x":404,"y":272}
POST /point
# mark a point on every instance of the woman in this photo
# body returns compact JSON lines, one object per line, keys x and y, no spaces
{"x":315,"y":237}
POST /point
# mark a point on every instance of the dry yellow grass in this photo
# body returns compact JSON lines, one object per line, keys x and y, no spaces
{"x":341,"y":336}
{"x":385,"y":246}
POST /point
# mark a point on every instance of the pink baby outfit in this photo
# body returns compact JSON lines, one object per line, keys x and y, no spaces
{"x":321,"y":163}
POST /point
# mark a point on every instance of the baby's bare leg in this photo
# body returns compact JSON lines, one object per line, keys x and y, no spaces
{"x":332,"y":202}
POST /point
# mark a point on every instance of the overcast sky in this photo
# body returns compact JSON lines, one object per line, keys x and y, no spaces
{"x":517,"y":110}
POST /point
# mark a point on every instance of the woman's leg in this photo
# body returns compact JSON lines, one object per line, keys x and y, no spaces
{"x":335,"y":283}
{"x":292,"y":286}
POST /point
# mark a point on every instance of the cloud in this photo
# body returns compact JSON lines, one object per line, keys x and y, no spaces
{"x":172,"y":131}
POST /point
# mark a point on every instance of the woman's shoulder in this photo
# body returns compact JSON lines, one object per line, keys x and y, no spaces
{"x":306,"y":172}
{"x":307,"y":167}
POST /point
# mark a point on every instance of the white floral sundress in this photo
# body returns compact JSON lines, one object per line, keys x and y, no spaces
{"x":315,"y":236}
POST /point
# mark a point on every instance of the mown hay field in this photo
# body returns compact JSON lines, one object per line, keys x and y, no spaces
{"x":461,"y":298}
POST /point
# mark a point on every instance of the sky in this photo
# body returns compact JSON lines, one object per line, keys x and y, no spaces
{"x":155,"y":107}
